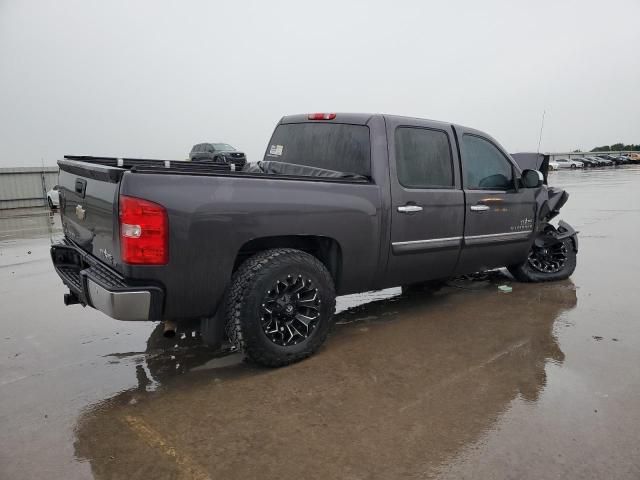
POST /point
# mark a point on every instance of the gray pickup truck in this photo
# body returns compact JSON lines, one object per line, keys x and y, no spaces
{"x":341,"y":203}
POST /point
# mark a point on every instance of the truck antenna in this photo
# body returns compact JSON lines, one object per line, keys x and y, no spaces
{"x":541,"y":127}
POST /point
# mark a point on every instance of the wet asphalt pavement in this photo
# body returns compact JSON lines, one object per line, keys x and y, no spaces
{"x":466,"y":382}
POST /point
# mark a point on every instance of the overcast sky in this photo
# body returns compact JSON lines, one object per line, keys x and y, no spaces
{"x":151,"y":78}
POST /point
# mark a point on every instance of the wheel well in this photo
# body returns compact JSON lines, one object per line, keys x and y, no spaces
{"x":325,"y":249}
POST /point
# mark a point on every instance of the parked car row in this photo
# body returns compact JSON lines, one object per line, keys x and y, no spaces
{"x":603,"y":160}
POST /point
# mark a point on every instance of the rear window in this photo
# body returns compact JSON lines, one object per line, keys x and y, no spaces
{"x":332,"y":146}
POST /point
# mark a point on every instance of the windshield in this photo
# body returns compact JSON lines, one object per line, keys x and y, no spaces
{"x":223,"y":146}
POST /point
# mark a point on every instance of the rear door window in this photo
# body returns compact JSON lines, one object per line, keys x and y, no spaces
{"x":423,"y":158}
{"x":331,"y":146}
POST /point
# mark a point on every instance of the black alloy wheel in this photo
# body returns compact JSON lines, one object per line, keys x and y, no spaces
{"x":290,"y":310}
{"x":548,"y":259}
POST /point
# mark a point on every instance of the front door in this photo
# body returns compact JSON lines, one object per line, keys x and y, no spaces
{"x":427,"y":215}
{"x":500,"y":218}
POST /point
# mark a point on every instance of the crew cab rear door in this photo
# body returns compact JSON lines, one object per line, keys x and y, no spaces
{"x":426,"y":199}
{"x":499,"y":216}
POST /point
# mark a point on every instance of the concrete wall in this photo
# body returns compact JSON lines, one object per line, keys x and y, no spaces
{"x":23,"y":187}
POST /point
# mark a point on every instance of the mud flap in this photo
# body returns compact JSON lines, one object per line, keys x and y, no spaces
{"x":212,"y":329}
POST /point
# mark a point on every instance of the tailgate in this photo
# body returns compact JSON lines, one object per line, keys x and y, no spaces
{"x":89,"y":208}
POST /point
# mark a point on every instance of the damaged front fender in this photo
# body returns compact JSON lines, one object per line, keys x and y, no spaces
{"x":551,"y":235}
{"x":550,"y":200}
{"x":567,"y":231}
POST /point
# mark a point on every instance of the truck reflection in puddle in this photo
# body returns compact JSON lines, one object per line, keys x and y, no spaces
{"x":403,"y":385}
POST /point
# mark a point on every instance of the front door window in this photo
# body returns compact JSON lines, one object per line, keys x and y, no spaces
{"x":484,"y":166}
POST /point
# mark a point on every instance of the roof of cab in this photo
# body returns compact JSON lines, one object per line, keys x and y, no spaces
{"x":354,"y":118}
{"x":364,"y":118}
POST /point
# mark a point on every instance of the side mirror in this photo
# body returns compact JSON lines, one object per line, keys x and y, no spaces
{"x":532,"y":179}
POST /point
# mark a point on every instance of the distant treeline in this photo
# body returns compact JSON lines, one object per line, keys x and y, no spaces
{"x":616,"y":147}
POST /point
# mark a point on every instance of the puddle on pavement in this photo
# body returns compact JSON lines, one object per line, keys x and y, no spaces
{"x":165,"y":358}
{"x":462,"y":343}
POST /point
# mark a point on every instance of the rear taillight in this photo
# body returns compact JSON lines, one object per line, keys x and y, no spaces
{"x":322,"y":116}
{"x":144,"y":235}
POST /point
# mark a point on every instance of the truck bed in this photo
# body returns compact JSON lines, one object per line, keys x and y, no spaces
{"x":215,"y":214}
{"x":118,"y":165}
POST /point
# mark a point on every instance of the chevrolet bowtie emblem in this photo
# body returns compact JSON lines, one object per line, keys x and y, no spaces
{"x":80,"y":212}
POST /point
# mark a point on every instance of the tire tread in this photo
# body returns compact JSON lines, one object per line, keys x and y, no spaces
{"x":525,"y":274}
{"x":242,"y":282}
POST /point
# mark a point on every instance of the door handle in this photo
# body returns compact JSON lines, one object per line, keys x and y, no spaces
{"x":480,"y":208}
{"x":409,"y":208}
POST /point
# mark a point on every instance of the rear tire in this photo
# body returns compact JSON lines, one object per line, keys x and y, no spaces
{"x":573,"y":166}
{"x":279,"y":307}
{"x":528,"y":272}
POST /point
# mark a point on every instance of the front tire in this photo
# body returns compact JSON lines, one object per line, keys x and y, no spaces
{"x":548,"y":264}
{"x":279,"y":307}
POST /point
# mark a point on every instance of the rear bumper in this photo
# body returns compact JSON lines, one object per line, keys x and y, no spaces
{"x":94,"y":284}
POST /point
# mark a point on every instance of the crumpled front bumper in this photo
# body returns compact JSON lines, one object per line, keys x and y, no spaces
{"x":92,"y":283}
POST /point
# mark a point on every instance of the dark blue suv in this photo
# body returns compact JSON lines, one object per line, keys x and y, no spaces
{"x":218,"y":153}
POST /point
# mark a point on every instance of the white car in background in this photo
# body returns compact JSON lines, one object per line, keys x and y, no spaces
{"x":53,"y":198}
{"x":565,"y":163}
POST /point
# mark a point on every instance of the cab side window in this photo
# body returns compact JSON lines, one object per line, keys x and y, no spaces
{"x":423,"y":158}
{"x":484,"y":166}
